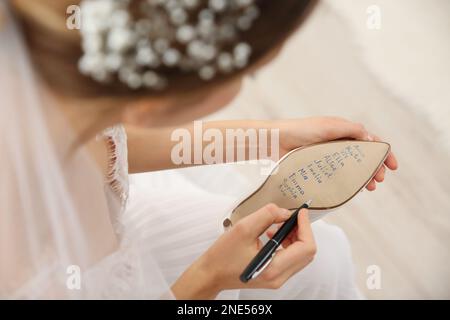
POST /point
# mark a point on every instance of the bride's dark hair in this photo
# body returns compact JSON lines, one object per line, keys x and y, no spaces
{"x":56,"y":50}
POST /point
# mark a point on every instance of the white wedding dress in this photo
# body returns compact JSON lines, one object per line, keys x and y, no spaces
{"x":178,"y":221}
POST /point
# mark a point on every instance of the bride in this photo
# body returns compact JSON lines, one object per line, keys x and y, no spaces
{"x":82,"y":110}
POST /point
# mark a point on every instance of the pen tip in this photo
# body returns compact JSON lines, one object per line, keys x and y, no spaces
{"x":308,"y":203}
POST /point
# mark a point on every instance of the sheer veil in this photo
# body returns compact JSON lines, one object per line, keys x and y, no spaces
{"x":57,"y":236}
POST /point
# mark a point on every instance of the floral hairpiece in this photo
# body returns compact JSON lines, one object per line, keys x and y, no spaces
{"x":181,"y":34}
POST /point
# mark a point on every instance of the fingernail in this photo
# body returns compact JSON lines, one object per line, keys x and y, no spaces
{"x":286,"y":213}
{"x":370,"y":138}
{"x":304,"y":213}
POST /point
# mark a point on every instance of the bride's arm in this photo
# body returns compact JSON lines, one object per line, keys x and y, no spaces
{"x":151,"y":149}
{"x":157,"y":149}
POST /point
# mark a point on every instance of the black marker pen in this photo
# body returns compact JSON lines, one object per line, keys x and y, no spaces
{"x":262,"y":259}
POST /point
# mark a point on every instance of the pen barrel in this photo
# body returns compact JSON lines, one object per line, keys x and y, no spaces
{"x":264,"y":255}
{"x":286,"y":228}
{"x":289,"y":225}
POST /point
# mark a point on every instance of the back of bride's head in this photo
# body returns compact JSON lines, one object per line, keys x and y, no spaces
{"x":129,"y":48}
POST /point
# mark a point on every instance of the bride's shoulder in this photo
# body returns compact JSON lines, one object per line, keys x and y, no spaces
{"x":116,"y":131}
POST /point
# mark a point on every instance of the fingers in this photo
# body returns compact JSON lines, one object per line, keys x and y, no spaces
{"x":371,"y":186}
{"x":357,"y":131}
{"x":341,"y":128}
{"x":258,"y":222}
{"x":289,"y":239}
{"x":338,"y":128}
{"x":391,"y":160}
{"x":379,"y":176}
{"x":296,"y":256}
{"x":304,"y":232}
{"x":293,"y":258}
{"x":287,"y":262}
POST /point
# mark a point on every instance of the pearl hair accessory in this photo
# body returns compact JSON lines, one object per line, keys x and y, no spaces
{"x":188,"y":35}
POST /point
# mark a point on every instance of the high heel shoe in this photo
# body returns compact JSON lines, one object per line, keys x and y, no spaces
{"x":329,"y":174}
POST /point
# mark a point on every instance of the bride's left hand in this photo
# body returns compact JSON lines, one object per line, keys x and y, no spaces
{"x":301,"y":132}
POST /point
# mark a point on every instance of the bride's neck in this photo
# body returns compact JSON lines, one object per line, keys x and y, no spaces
{"x":88,"y":117}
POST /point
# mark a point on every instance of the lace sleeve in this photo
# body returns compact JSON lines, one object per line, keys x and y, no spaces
{"x":117,"y":176}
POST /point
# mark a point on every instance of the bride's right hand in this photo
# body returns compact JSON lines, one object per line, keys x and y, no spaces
{"x":220,"y":266}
